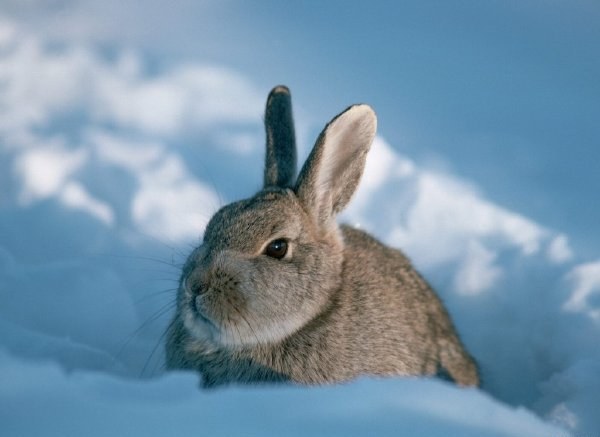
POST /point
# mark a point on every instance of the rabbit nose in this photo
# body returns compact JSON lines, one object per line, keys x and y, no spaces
{"x":197,"y":289}
{"x":194,"y":285}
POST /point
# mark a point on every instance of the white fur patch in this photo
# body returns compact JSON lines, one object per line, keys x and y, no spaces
{"x":243,"y":335}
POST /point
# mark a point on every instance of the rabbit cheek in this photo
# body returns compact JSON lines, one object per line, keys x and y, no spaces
{"x":226,"y":305}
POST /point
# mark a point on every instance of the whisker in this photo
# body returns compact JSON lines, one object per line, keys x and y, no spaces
{"x":247,"y":323}
{"x":174,"y":247}
{"x":227,"y":333}
{"x":149,"y":280}
{"x":155,"y":348}
{"x":155,"y":294}
{"x":153,"y":317}
{"x":147,"y":258}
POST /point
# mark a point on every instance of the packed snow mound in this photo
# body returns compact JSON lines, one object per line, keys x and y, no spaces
{"x":100,"y":405}
{"x":110,"y":172}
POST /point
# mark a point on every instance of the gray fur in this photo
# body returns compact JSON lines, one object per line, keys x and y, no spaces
{"x":339,"y":305}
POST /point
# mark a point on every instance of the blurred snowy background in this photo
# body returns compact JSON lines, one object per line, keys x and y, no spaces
{"x":124,"y":125}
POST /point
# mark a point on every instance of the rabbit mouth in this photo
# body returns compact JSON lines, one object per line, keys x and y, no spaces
{"x":195,"y":304}
{"x":200,"y":316}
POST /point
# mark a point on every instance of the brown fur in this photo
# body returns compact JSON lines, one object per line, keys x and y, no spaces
{"x":340,"y":304}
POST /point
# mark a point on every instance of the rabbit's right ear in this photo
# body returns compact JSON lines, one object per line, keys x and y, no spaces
{"x":280,"y":163}
{"x":334,"y":167}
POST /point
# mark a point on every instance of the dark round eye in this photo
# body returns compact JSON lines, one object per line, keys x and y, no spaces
{"x":277,"y":248}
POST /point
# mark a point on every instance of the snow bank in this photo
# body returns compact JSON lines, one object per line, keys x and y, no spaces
{"x":39,"y":397}
{"x":109,"y":174}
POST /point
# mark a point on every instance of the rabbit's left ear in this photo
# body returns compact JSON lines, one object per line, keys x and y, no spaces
{"x":280,"y":162}
{"x":332,"y":171}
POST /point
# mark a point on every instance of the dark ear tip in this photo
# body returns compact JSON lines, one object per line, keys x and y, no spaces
{"x":279,"y":90}
{"x":279,"y":99}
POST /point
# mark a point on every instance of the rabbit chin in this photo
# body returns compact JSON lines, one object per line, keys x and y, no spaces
{"x":241,"y":334}
{"x":200,"y":328}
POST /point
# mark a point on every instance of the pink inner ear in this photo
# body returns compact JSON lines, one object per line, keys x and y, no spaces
{"x":346,"y":143}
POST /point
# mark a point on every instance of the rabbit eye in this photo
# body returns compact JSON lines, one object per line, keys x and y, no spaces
{"x":277,"y":248}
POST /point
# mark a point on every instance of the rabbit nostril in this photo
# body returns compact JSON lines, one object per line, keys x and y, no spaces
{"x":197,"y":289}
{"x":192,"y":287}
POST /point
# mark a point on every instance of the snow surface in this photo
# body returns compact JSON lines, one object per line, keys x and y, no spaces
{"x":109,"y":172}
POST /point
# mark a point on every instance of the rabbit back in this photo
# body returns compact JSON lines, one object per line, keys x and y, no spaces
{"x":400,"y":325}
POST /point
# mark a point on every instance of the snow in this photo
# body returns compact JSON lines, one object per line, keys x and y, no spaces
{"x":172,"y":405}
{"x":109,"y":173}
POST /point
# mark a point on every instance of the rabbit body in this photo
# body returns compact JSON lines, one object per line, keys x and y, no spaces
{"x":279,"y":292}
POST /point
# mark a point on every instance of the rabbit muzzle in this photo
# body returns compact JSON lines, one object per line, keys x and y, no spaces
{"x":214,"y":295}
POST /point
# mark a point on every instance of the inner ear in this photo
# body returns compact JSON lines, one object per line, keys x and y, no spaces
{"x":333,"y":169}
{"x":280,"y":160}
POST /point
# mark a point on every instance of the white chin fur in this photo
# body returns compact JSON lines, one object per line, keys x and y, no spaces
{"x":198,"y":328}
{"x":241,"y":334}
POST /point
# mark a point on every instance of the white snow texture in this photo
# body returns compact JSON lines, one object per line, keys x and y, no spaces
{"x":108,"y":173}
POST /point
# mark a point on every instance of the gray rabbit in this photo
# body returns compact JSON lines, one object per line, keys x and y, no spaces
{"x":278,"y":291}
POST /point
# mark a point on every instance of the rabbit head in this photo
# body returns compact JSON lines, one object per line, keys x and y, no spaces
{"x":268,"y":265}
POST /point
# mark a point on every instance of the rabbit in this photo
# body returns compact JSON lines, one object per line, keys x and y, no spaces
{"x":278,"y":291}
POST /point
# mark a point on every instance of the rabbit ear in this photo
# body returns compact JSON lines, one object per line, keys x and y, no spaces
{"x":333,"y":169}
{"x":280,"y":166}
